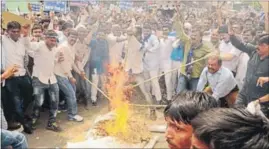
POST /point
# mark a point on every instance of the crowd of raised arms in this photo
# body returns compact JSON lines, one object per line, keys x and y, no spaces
{"x":217,"y":95}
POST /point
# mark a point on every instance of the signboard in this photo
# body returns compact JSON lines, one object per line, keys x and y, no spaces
{"x":54,"y":6}
{"x":126,"y":4}
{"x":35,"y":7}
{"x":80,"y":3}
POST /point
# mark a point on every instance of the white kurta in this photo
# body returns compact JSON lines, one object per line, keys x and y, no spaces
{"x":152,"y":54}
{"x":134,"y":56}
{"x":229,"y":48}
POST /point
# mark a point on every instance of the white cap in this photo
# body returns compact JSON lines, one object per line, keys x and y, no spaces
{"x":187,"y":25}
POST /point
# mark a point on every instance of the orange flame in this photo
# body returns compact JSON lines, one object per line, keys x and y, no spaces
{"x":118,"y":99}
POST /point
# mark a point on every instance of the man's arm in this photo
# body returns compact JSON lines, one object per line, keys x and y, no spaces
{"x":202,"y":80}
{"x":264,"y":99}
{"x":229,"y":56}
{"x":31,"y":47}
{"x":244,"y":47}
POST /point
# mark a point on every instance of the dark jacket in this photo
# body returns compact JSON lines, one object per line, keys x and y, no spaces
{"x":256,"y":68}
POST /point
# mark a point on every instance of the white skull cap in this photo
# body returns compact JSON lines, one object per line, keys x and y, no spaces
{"x":187,"y":25}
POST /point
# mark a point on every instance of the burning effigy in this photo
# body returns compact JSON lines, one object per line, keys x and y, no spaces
{"x":120,"y":127}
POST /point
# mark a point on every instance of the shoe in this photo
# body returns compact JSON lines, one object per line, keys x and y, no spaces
{"x":19,"y":129}
{"x":27,"y":129}
{"x":54,"y":127}
{"x":76,"y":118}
{"x":13,"y":125}
{"x":94,"y":103}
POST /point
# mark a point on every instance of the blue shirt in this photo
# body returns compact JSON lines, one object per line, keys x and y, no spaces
{"x":222,"y":82}
{"x":99,"y":55}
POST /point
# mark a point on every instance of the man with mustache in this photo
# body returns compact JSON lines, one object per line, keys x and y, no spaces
{"x":257,"y":67}
{"x":220,"y":80}
{"x":179,"y":113}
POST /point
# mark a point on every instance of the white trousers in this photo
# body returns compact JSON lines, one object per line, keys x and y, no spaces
{"x":139,"y":78}
{"x":96,"y":80}
{"x":154,"y":84}
{"x":175,"y":75}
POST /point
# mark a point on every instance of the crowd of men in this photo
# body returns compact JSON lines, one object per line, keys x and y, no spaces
{"x":222,"y":61}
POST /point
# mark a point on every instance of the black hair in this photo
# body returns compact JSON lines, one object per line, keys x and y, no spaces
{"x":36,"y":26}
{"x":248,"y":19}
{"x":252,"y":32}
{"x":13,"y":25}
{"x":66,"y":25}
{"x":231,"y":128}
{"x":61,"y":22}
{"x":146,"y":26}
{"x":45,"y":20}
{"x":73,"y":32}
{"x":264,"y":39}
{"x":185,"y":106}
{"x":198,"y":28}
{"x":51,"y":33}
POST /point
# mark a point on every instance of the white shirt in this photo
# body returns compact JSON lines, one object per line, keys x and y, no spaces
{"x":44,"y":62}
{"x":222,"y":82}
{"x":82,"y":52}
{"x":152,"y":54}
{"x":241,"y":69}
{"x":166,"y":49}
{"x":14,"y":54}
{"x":229,"y":48}
{"x":134,"y":55}
{"x":64,"y":68}
{"x":62,"y":38}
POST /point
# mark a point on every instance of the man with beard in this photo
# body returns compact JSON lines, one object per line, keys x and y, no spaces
{"x":257,"y":67}
{"x":221,"y":82}
{"x":179,"y":113}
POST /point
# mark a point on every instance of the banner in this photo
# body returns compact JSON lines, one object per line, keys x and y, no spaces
{"x":55,"y":6}
{"x":7,"y":17}
{"x":80,"y":3}
{"x":35,"y":7}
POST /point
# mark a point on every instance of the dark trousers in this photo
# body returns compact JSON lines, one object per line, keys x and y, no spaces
{"x":223,"y":101}
{"x":20,"y":90}
{"x":7,"y":105}
{"x":39,"y":92}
